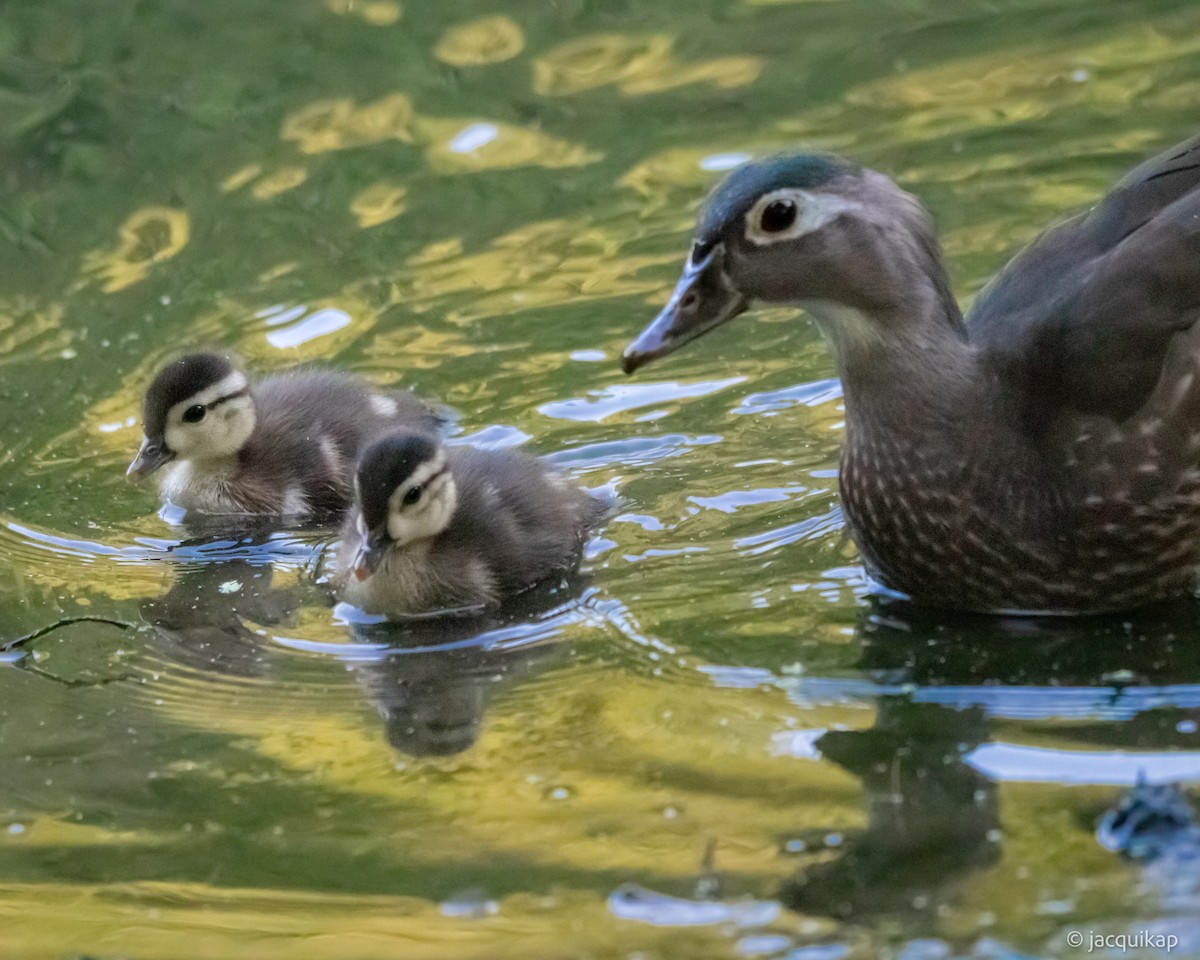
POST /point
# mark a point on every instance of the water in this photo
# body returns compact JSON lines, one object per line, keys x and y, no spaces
{"x":709,"y":746}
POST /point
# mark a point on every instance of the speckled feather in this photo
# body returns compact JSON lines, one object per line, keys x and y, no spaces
{"x":1043,"y":455}
{"x":1070,"y":476}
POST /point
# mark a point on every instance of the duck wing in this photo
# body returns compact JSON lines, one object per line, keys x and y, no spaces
{"x":1083,"y":320}
{"x":523,"y":518}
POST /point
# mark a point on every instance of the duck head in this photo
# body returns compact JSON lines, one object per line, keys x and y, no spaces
{"x":405,"y":492}
{"x":197,"y":408}
{"x":808,"y":231}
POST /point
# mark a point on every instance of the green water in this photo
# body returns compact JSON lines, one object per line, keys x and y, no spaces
{"x":485,"y":202}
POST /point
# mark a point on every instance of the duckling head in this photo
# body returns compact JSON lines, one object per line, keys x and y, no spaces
{"x":406,"y":493}
{"x":809,"y":231}
{"x":197,"y":408}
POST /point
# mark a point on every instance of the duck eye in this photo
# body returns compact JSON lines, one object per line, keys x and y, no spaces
{"x":778,"y":215}
{"x":412,"y":496}
{"x":194,"y":414}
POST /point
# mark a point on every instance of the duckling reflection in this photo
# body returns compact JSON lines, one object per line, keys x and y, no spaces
{"x":431,"y":679}
{"x":219,"y":585}
{"x":940,"y":686}
{"x":433,"y":683}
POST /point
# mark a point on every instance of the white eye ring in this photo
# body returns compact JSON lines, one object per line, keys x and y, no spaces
{"x":813,"y":211}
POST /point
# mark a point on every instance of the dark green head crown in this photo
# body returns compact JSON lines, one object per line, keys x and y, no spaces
{"x":737,"y":193}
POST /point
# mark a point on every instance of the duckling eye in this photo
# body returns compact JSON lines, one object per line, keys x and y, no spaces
{"x":412,"y":496}
{"x":194,"y":414}
{"x":778,"y":215}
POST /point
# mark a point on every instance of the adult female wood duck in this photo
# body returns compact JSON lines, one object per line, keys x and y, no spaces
{"x":1044,"y":456}
{"x":286,"y":446}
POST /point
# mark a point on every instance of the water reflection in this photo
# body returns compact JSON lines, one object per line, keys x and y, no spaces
{"x":430,"y":678}
{"x":432,"y":682}
{"x":382,"y":173}
{"x":148,"y":237}
{"x":930,"y":816}
{"x":947,"y":692}
{"x":1156,"y":826}
{"x":480,"y":42}
{"x":638,"y":65}
{"x":202,"y":619}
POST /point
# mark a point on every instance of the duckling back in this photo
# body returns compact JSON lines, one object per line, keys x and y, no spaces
{"x":312,"y":424}
{"x":523,"y":517}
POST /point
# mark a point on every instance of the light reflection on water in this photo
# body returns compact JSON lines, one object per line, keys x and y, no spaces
{"x":708,"y":746}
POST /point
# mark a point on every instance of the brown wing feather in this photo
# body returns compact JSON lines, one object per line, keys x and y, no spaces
{"x":1081,"y":321}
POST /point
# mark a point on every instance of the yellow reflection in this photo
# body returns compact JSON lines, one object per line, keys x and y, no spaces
{"x":596,"y":61}
{"x":611,"y":734}
{"x":51,"y":562}
{"x":277,"y":271}
{"x":452,"y":145}
{"x":338,"y":124}
{"x":281,"y":181}
{"x":1025,"y":84}
{"x":480,"y":42}
{"x":381,"y":13}
{"x":540,"y":264}
{"x":149,"y":236}
{"x":725,"y":73}
{"x":412,"y":346}
{"x":682,"y":168}
{"x":440,"y":250}
{"x":378,"y":13}
{"x":636,"y":64}
{"x":239,"y":178}
{"x":30,"y":332}
{"x":463,"y":145}
{"x":378,"y":203}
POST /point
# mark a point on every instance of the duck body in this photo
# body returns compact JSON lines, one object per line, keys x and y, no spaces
{"x":487,"y":525}
{"x":1044,"y":455}
{"x":285,"y":446}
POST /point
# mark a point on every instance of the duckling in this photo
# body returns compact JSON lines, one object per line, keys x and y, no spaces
{"x":437,"y":528}
{"x":286,"y":446}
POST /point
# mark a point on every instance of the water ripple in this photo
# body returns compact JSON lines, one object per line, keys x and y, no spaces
{"x":601,"y":404}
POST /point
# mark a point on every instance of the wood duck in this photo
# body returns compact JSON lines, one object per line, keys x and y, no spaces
{"x":452,"y":529}
{"x":286,"y":446}
{"x":1044,"y":455}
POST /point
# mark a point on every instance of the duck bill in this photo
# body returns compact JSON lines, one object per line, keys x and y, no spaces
{"x":151,"y":457}
{"x":366,"y":561}
{"x":703,"y":299}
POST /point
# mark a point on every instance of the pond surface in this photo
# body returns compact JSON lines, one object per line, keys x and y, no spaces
{"x":709,"y":746}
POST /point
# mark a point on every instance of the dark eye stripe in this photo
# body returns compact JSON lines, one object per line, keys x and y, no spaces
{"x":232,"y":396}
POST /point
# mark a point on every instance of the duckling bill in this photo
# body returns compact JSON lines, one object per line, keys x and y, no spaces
{"x":437,"y":528}
{"x":1042,"y":456}
{"x":285,"y":446}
